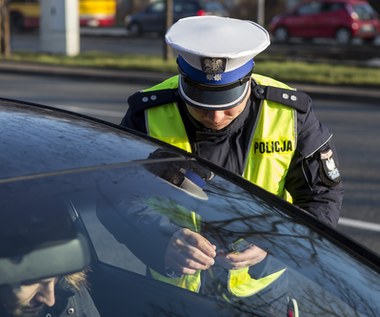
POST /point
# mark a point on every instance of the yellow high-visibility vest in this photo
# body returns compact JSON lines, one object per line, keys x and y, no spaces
{"x":239,"y":283}
{"x":272,"y":147}
{"x":271,"y":151}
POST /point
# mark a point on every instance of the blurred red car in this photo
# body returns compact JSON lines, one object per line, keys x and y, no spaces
{"x":152,"y":19}
{"x":341,"y":20}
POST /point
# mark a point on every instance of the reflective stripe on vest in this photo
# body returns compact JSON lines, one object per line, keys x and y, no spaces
{"x":272,"y":147}
{"x":241,"y":284}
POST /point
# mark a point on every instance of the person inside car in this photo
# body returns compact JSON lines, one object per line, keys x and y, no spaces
{"x":54,"y":296}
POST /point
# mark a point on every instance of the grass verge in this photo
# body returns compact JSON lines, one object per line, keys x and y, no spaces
{"x":284,"y":70}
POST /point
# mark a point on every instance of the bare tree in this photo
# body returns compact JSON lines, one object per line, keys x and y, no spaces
{"x":5,"y":50}
{"x":168,"y":54}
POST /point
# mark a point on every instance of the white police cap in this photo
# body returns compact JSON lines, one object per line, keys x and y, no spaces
{"x":215,"y":58}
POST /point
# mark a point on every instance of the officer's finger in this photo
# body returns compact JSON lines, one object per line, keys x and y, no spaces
{"x":185,"y":262}
{"x":198,"y":251}
{"x":251,"y":256}
{"x":199,"y":242}
{"x":183,"y":255}
{"x":193,"y":258}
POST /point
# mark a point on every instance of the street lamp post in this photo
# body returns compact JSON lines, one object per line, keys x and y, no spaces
{"x":168,"y":54}
{"x":5,"y":50}
{"x":261,"y":12}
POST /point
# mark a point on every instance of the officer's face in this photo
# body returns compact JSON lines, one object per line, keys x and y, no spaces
{"x":28,"y":300}
{"x":217,"y":119}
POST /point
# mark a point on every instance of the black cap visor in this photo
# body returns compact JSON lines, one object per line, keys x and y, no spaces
{"x":213,"y":97}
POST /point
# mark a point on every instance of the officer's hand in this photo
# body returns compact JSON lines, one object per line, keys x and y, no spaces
{"x":188,"y":252}
{"x":237,"y":260}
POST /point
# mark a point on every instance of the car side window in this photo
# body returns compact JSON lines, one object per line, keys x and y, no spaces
{"x":186,"y":8}
{"x":213,"y":6}
{"x":310,"y":8}
{"x":364,"y":12}
{"x":331,"y":7}
{"x":156,"y":8}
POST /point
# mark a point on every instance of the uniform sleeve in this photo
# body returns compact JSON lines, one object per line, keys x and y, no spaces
{"x":140,"y":101}
{"x":314,"y":179}
{"x":134,"y":120}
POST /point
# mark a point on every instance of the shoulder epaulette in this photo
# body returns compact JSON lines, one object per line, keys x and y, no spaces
{"x":292,"y":98}
{"x":143,"y":100}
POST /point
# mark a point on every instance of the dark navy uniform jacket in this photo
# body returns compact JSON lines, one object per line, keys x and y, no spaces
{"x":309,"y":179}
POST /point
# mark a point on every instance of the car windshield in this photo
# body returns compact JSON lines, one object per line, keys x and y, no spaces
{"x":213,"y":6}
{"x":157,"y":7}
{"x":123,"y":208}
{"x":76,"y":192}
{"x":364,"y":11}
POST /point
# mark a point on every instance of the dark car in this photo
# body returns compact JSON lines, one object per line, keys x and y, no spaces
{"x":153,"y":17}
{"x":341,"y":20}
{"x":78,"y":192}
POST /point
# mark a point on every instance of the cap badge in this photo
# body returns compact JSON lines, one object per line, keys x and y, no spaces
{"x":213,"y":67}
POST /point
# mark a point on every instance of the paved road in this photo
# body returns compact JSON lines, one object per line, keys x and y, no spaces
{"x":117,"y":40}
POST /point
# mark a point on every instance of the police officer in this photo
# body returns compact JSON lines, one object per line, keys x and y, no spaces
{"x":250,"y":124}
{"x":247,"y":123}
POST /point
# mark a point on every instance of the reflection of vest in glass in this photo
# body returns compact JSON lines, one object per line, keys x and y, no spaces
{"x":271,"y":151}
{"x":239,"y":282}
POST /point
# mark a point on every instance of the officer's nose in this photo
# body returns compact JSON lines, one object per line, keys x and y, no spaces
{"x":216,"y":116}
{"x":46,"y":294}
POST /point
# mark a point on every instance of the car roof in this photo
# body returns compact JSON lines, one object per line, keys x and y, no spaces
{"x":40,"y":139}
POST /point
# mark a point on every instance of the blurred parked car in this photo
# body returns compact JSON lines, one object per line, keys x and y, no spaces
{"x":153,"y":17}
{"x":341,"y":20}
{"x":72,"y":188}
